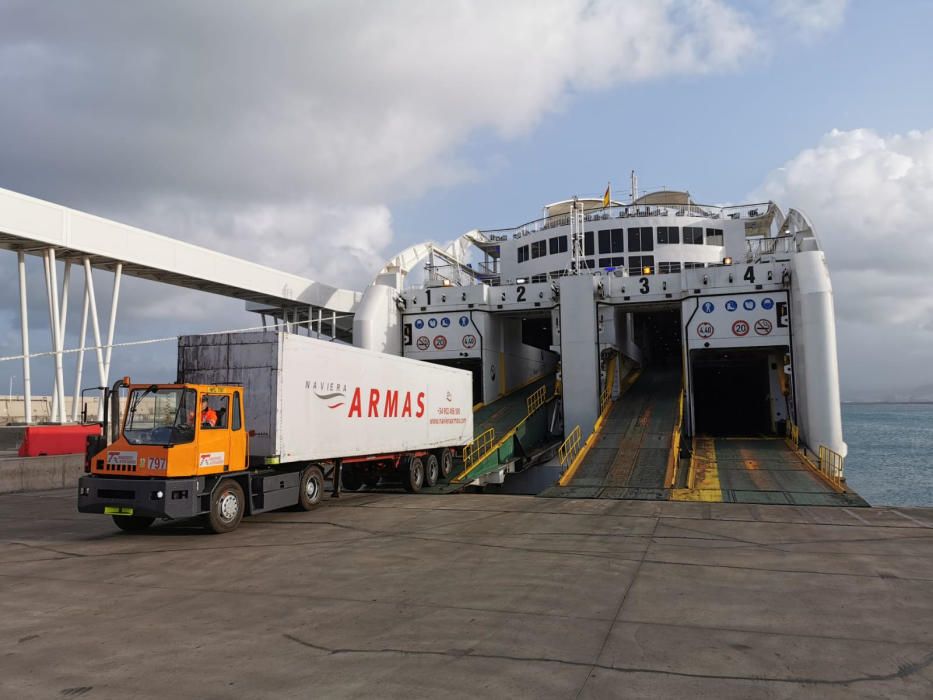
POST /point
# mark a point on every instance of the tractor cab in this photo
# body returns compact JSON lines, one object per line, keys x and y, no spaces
{"x":176,"y":430}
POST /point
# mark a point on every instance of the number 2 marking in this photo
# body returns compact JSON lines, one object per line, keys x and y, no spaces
{"x":521,"y":294}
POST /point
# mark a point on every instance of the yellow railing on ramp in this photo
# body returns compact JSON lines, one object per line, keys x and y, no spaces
{"x":478,"y":448}
{"x":673,"y":458}
{"x":831,"y":464}
{"x":569,"y":448}
{"x":536,"y":400}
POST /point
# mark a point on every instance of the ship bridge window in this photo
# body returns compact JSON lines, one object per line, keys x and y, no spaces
{"x":588,"y":243}
{"x":668,"y":235}
{"x":714,"y":236}
{"x":611,"y":241}
{"x":612,"y":262}
{"x":668,"y":267}
{"x":538,"y":249}
{"x":693,"y":235}
{"x":693,"y":265}
{"x":588,"y":264}
{"x":522,"y":253}
{"x":539,"y":278}
{"x":640,"y":239}
{"x":638,"y":263}
{"x":558,"y":244}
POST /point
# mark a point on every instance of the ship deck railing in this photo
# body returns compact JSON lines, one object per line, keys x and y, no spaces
{"x":628,"y":211}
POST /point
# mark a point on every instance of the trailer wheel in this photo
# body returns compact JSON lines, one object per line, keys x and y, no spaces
{"x":310,"y":487}
{"x":431,"y":469}
{"x":371,"y":481}
{"x":350,"y":479}
{"x":132,"y":523}
{"x":446,"y":463}
{"x":413,"y":475}
{"x":227,"y":506}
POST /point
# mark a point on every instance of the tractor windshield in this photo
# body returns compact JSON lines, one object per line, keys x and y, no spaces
{"x":160,"y":416}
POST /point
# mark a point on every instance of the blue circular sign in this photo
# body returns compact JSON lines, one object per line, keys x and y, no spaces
{"x":419,"y":323}
{"x":445,"y":322}
{"x":432,"y":323}
{"x":767,"y":303}
{"x":749,"y":304}
{"x":731,"y":305}
{"x":464,"y":321}
{"x":708,"y":307}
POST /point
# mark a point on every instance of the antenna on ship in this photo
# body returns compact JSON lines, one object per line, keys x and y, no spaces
{"x":634,"y":187}
{"x":576,"y":236}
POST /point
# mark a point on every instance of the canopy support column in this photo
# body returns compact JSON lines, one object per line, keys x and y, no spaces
{"x":24,"y":329}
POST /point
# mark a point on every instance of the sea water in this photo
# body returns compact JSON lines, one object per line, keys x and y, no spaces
{"x":890,"y":460}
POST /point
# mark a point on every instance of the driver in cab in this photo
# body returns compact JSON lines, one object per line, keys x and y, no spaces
{"x":208,"y":414}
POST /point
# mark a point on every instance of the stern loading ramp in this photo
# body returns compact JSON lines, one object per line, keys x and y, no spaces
{"x":629,"y":457}
{"x":510,"y":434}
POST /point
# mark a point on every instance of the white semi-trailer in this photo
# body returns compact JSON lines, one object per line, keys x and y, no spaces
{"x":255,"y":420}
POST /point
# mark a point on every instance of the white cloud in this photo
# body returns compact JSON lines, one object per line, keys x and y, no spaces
{"x":868,"y":196}
{"x":811,"y":17}
{"x":344,"y":99}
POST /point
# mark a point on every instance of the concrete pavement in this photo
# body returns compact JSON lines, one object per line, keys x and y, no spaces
{"x":402,"y":596}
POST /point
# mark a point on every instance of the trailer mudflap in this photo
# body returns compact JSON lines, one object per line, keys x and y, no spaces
{"x":140,"y":497}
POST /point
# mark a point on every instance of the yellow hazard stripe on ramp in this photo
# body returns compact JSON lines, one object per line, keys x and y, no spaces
{"x":704,"y":475}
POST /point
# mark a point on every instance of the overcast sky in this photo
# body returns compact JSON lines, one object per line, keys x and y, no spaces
{"x":322,"y":137}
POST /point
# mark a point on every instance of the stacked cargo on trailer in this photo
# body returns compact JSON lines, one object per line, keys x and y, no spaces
{"x":256,"y":420}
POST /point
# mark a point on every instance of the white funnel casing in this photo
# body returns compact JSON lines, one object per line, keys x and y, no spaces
{"x":377,"y":322}
{"x":816,"y":372}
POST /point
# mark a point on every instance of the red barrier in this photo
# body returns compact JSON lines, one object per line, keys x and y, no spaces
{"x":41,"y":440}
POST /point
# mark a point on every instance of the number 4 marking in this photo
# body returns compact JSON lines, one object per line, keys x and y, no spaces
{"x":750,"y":274}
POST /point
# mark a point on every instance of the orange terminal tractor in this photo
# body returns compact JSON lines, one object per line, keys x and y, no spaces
{"x":176,"y":443}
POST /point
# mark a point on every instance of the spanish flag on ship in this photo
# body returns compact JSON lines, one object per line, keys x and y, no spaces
{"x":607,"y":198}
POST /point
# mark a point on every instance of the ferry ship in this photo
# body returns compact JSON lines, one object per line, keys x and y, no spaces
{"x":684,"y":350}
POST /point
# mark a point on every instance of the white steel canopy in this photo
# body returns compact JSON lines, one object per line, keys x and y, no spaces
{"x":32,"y":225}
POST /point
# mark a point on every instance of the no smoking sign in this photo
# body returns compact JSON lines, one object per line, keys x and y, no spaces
{"x":763,"y":326}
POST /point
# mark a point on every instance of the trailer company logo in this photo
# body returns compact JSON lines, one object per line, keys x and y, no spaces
{"x":372,"y":403}
{"x":386,"y":404}
{"x":334,"y":393}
